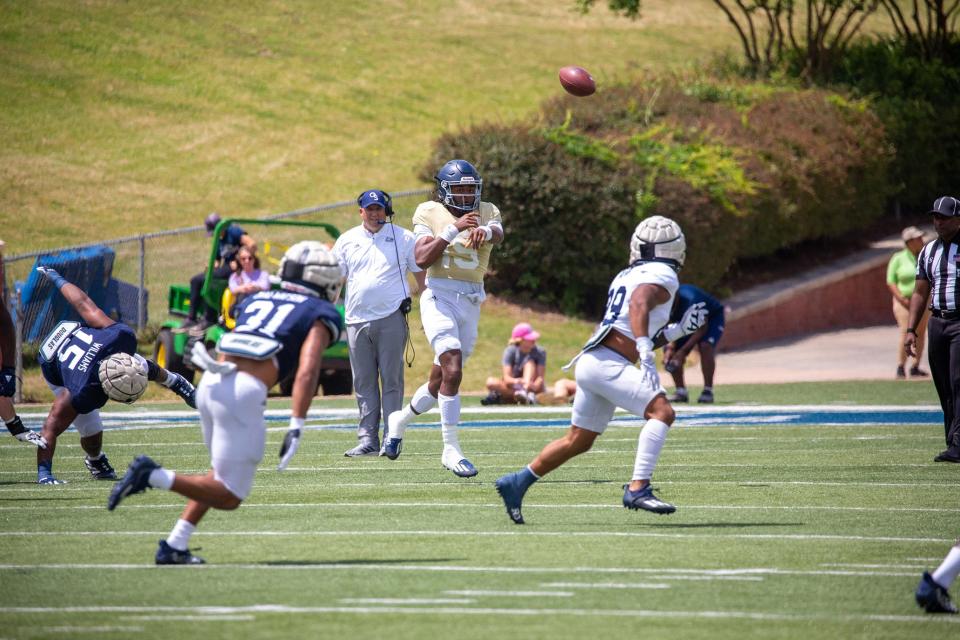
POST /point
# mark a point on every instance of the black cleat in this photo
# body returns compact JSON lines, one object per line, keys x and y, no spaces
{"x":168,"y":555}
{"x":136,"y":480}
{"x":644,"y":499}
{"x":512,"y":494}
{"x":932,"y":597}
{"x":100,"y":468}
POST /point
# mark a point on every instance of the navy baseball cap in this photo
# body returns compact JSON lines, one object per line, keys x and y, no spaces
{"x":371,"y":197}
{"x":946,"y":206}
{"x":211,"y":222}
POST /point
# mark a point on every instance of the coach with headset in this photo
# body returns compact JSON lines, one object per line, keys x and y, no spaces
{"x":375,"y":257}
{"x":938,"y":283}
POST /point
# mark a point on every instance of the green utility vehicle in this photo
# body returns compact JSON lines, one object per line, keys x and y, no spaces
{"x":173,"y":341}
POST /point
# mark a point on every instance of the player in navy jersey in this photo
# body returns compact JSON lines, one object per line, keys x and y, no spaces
{"x":704,"y":339}
{"x":71,"y":359}
{"x":277,"y":333}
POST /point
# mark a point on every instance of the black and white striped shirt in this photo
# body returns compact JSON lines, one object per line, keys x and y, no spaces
{"x":939,"y":263}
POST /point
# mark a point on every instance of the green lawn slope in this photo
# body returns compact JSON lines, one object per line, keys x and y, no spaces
{"x":121,"y":118}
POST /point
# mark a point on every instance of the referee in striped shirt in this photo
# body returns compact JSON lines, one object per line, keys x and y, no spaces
{"x":937,"y":280}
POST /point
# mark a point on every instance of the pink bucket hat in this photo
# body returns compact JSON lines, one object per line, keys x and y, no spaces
{"x":524,"y":331}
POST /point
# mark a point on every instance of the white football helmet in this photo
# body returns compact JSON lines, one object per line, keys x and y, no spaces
{"x":122,"y":377}
{"x":310,"y":267}
{"x":658,"y":238}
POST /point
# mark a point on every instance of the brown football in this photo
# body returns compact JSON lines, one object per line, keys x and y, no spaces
{"x":577,"y":81}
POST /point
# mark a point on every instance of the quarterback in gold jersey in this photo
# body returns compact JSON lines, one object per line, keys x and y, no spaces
{"x":454,"y":237}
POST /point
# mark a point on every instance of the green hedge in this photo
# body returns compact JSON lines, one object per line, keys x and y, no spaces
{"x":745,"y":168}
{"x":917,"y":102}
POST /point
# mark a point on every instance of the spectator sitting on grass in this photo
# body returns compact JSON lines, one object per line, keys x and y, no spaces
{"x":524,"y":364}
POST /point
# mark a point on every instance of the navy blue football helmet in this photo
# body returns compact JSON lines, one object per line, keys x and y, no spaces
{"x":457,"y":173}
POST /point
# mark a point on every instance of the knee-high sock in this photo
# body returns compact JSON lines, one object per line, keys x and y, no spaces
{"x":948,"y":570}
{"x":449,"y":419}
{"x":651,"y":440}
{"x":421,"y":402}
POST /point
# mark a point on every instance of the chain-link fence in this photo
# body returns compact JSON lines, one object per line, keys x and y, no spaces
{"x":132,"y":276}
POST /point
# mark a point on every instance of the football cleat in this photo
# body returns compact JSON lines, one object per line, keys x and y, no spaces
{"x":512,"y":495}
{"x":932,"y":597}
{"x":492,"y":398}
{"x":392,"y":448}
{"x":362,"y":450}
{"x":184,"y":389}
{"x":49,"y":479}
{"x":644,"y":499}
{"x":31,"y":437}
{"x":168,"y":555}
{"x":135,"y":480}
{"x":461,"y":468}
{"x":100,"y":468}
{"x":679,"y":397}
{"x":706,"y":397}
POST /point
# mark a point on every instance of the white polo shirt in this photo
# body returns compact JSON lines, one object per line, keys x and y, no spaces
{"x":376,"y":266}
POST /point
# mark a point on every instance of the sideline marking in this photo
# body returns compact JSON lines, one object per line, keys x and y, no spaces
{"x":688,"y":416}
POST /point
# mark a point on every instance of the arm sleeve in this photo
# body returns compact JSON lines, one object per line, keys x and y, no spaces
{"x":922,"y":262}
{"x":234,"y":282}
{"x":422,"y":231}
{"x":410,"y":242}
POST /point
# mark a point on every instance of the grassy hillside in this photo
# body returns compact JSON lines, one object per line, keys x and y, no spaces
{"x":119,"y":118}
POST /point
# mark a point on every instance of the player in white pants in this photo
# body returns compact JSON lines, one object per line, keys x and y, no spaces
{"x":278,"y":333}
{"x":454,"y":239}
{"x":638,"y":308}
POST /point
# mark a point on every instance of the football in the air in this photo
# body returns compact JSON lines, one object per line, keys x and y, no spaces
{"x":577,"y":81}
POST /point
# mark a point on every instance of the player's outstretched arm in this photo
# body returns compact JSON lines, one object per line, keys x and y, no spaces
{"x":304,"y":388}
{"x":88,"y":310}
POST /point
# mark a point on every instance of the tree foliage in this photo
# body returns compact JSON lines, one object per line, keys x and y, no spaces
{"x":929,"y":25}
{"x":816,"y":31}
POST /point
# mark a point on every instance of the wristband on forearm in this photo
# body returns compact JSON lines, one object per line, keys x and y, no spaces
{"x":487,"y":231}
{"x":450,"y":233}
{"x":58,"y":280}
{"x":911,"y":330}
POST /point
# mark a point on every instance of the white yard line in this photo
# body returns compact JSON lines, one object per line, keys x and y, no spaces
{"x":622,"y":585}
{"x":463,"y":611}
{"x":484,"y":505}
{"x":661,"y":573}
{"x":512,"y":594}
{"x":754,"y":482}
{"x":407,"y":600}
{"x":498,"y":534}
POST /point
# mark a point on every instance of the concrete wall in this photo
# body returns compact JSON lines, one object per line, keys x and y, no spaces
{"x":850,"y":293}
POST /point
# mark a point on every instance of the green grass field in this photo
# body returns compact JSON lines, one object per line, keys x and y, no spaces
{"x":782,"y":531}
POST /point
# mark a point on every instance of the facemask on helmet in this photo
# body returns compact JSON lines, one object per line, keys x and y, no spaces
{"x":659,"y":239}
{"x":310,"y":267}
{"x":459,"y":186}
